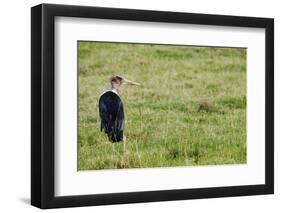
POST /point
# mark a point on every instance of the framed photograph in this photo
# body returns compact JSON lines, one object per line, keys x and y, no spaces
{"x":139,"y":106}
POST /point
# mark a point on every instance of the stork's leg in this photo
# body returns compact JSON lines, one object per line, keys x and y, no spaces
{"x":113,"y":153}
{"x":124,"y":151}
{"x":124,"y":144}
{"x":113,"y":148}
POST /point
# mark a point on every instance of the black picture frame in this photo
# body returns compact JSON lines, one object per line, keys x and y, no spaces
{"x":43,"y":105}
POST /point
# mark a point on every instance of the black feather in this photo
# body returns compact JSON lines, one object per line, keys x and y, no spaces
{"x":112,"y":116}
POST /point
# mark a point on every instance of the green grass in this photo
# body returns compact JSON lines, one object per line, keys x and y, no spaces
{"x":190,"y":109}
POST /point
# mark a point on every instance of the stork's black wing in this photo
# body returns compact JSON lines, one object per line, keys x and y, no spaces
{"x":112,"y":116}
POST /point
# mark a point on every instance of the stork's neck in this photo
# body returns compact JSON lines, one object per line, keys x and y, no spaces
{"x":114,"y":90}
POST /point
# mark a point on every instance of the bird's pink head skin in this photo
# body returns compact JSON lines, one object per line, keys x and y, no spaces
{"x":117,"y":81}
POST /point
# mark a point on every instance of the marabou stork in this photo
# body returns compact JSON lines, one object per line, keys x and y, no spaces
{"x":111,"y":110}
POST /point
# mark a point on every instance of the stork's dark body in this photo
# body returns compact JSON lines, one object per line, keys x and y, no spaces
{"x":112,"y":116}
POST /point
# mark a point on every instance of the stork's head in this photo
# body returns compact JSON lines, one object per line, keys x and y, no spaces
{"x":117,"y":81}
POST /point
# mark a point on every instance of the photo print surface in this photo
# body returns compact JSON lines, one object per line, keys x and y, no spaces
{"x":155,"y":105}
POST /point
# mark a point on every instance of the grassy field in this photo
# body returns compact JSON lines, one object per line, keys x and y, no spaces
{"x":190,"y":109}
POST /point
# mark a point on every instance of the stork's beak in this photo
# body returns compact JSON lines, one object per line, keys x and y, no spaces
{"x":130,"y":82}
